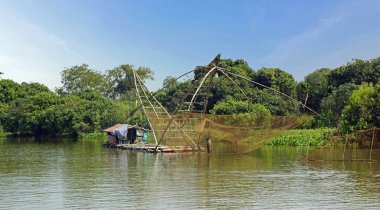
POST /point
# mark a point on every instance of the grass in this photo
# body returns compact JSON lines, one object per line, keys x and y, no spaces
{"x":309,"y":137}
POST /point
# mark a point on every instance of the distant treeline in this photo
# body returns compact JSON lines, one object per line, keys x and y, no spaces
{"x":348,"y":97}
{"x":87,"y":102}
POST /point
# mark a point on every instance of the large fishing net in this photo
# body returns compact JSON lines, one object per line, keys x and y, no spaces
{"x":226,"y":133}
{"x":186,"y":120}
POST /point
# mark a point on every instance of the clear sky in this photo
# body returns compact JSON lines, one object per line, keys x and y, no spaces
{"x":39,"y":38}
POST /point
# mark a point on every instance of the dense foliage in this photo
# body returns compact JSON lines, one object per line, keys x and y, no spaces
{"x":245,"y":113}
{"x":176,"y":92}
{"x":86,"y":103}
{"x":363,"y":108}
{"x":311,"y":137}
{"x":348,"y":97}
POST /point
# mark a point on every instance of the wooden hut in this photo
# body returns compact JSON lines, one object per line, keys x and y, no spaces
{"x":123,"y":134}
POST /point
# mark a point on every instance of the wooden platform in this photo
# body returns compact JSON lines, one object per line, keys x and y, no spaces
{"x":152,"y":148}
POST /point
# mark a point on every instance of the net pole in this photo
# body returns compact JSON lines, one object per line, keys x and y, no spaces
{"x":373,"y":138}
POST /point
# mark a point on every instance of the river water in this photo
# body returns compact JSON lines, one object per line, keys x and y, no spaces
{"x":67,"y":174}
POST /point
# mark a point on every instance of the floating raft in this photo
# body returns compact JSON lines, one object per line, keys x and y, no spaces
{"x":153,"y":148}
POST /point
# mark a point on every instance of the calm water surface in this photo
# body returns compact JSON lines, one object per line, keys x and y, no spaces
{"x":66,"y":174}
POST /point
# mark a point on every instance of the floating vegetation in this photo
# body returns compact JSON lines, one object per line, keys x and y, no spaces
{"x":309,"y":137}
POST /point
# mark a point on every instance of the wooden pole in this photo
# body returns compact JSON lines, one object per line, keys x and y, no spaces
{"x":373,"y":138}
{"x":209,"y":148}
{"x":344,"y":149}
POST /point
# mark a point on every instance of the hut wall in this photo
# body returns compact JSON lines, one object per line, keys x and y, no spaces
{"x":111,"y":139}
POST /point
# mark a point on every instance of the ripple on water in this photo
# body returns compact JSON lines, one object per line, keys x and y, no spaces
{"x":84,"y":175}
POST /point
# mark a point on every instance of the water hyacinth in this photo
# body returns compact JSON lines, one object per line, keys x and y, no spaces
{"x":309,"y":137}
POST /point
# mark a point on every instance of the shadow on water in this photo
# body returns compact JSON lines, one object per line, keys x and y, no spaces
{"x":32,"y":140}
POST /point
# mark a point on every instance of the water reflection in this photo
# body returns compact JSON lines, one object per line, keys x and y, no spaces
{"x":82,"y":174}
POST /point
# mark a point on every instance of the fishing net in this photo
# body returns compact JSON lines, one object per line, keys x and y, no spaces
{"x":227,"y":133}
{"x":185,"y":119}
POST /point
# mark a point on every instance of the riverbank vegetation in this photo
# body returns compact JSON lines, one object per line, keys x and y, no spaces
{"x":87,"y":102}
{"x":348,"y":98}
{"x":304,"y":137}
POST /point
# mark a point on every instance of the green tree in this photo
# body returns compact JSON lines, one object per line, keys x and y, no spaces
{"x":231,"y":106}
{"x":277,"y":104}
{"x":356,"y":72}
{"x":122,"y":80}
{"x":24,"y":114}
{"x":10,"y":91}
{"x":222,"y":86}
{"x":33,"y":88}
{"x":277,"y":79}
{"x":361,"y":111}
{"x":73,"y":116}
{"x":375,"y":70}
{"x":22,"y":105}
{"x":238,"y":66}
{"x":314,"y":88}
{"x":335,"y":102}
{"x":242,"y":112}
{"x":173,"y":96}
{"x":82,"y":78}
{"x":169,"y":82}
{"x":32,"y":109}
{"x":3,"y":112}
{"x":91,"y":95}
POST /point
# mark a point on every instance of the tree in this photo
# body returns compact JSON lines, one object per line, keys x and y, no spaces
{"x":121,"y":80}
{"x":22,"y":105}
{"x":375,"y":70}
{"x":356,"y":72}
{"x":362,"y":111}
{"x":10,"y":91}
{"x":335,"y":102}
{"x":24,"y":114}
{"x":169,"y":81}
{"x":231,"y":106}
{"x":277,"y":104}
{"x":277,"y":79}
{"x":82,"y":78}
{"x":314,"y":88}
{"x":32,"y":109}
{"x":3,"y":113}
{"x":173,"y":96}
{"x":242,"y":112}
{"x":222,"y":86}
{"x":238,"y":66}
{"x":34,"y":88}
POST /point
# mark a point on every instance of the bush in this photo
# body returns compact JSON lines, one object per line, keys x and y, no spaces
{"x":81,"y":128}
{"x":242,"y":112}
{"x":362,"y":110}
{"x":311,"y":137}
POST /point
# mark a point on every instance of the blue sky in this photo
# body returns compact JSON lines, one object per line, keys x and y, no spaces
{"x":39,"y":38}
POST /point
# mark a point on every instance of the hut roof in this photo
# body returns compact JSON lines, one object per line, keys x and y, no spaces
{"x":111,"y":129}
